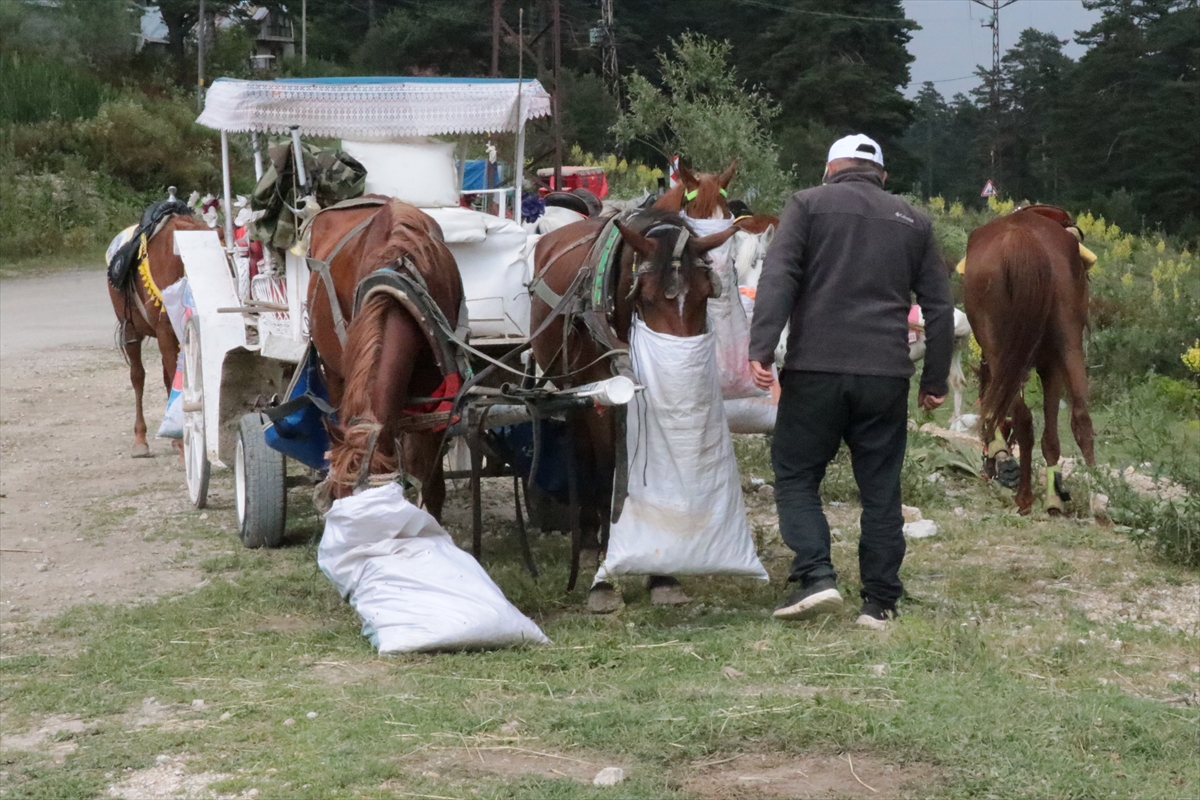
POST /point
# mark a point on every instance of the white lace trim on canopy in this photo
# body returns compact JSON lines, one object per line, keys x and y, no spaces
{"x":372,"y":108}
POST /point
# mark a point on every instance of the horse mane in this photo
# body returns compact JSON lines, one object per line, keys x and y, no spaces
{"x":357,"y":422}
{"x":644,"y":222}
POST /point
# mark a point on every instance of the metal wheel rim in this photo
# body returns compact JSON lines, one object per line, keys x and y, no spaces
{"x":193,"y":421}
{"x":239,"y":481}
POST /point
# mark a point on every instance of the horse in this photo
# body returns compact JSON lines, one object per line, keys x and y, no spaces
{"x":702,"y":195}
{"x":381,"y":370}
{"x":1025,"y":288}
{"x":137,"y":303}
{"x":660,"y":275}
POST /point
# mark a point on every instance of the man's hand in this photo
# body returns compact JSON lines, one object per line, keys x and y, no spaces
{"x":926,"y":400}
{"x":763,"y":377}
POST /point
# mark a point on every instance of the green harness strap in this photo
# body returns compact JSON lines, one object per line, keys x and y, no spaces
{"x":603,"y":262}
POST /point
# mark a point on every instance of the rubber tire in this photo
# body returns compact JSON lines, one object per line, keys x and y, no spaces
{"x":197,"y":467}
{"x":260,"y":485}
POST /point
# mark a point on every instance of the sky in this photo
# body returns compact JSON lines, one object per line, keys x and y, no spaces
{"x":953,"y":41}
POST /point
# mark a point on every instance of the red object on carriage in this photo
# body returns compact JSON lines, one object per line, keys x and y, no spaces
{"x":593,"y":179}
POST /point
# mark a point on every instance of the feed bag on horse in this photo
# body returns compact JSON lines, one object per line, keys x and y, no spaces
{"x":684,"y":513}
{"x":412,"y":586}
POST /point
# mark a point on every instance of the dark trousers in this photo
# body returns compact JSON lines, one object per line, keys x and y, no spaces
{"x":817,"y":410}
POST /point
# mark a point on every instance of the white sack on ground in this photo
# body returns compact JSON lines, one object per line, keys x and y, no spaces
{"x":412,"y":586}
{"x":684,"y":513}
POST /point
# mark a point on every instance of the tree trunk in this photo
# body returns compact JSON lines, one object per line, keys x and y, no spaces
{"x":178,"y":23}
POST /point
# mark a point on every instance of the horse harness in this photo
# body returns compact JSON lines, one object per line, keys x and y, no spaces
{"x":405,"y":284}
{"x":591,"y":296}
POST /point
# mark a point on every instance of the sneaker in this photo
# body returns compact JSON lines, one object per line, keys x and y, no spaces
{"x":875,"y":615}
{"x":804,"y":603}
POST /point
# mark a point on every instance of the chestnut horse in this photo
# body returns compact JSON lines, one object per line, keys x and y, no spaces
{"x":386,"y":362}
{"x":140,"y":314}
{"x":702,"y":195}
{"x":669,"y":291}
{"x":1026,"y":295}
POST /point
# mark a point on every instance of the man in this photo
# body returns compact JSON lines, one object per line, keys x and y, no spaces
{"x":842,"y":269}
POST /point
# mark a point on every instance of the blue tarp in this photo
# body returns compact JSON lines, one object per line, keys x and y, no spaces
{"x":301,"y":434}
{"x":475,"y":175}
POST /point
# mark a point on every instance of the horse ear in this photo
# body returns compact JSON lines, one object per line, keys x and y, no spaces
{"x":686,"y":177}
{"x":725,"y":177}
{"x":642,"y":245}
{"x":714,"y":240}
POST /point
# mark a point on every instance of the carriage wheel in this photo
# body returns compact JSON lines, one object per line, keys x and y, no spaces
{"x":195,"y":451}
{"x":259,"y":482}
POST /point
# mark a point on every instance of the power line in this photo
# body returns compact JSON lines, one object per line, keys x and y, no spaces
{"x":811,"y":13}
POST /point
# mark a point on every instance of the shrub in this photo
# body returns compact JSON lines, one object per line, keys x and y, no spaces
{"x":35,"y":90}
{"x":47,"y":213}
{"x":151,"y":144}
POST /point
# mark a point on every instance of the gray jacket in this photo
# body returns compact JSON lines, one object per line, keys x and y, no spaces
{"x":843,"y":268}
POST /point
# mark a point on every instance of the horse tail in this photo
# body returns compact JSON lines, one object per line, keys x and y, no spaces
{"x":1019,"y":323}
{"x":359,"y":431}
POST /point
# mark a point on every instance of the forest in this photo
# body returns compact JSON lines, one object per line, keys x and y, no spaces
{"x":1114,"y":133}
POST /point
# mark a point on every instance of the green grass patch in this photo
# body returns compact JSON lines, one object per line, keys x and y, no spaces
{"x":992,"y":697}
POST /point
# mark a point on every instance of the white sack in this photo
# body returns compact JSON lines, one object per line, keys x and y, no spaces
{"x":751,"y":414}
{"x":726,"y":316}
{"x":412,"y":586}
{"x":684,"y":513}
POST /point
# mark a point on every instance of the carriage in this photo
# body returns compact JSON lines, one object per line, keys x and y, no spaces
{"x":246,"y":345}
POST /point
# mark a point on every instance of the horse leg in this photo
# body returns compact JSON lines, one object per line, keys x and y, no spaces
{"x":1023,"y":423}
{"x":137,"y":377}
{"x":1081,"y":420}
{"x":1051,"y":446}
{"x":422,"y":453}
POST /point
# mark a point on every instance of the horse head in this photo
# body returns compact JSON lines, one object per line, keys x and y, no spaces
{"x":701,"y":195}
{"x":666,"y":277}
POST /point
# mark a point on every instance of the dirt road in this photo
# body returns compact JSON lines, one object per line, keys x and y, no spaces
{"x":81,"y":521}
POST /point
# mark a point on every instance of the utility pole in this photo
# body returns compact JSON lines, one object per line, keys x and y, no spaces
{"x":496,"y":4}
{"x":994,"y":23}
{"x":558,"y":94}
{"x":608,"y":49}
{"x":200,"y":62}
{"x":304,"y":32}
{"x":994,"y":94}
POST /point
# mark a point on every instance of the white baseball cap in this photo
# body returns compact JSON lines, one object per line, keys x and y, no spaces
{"x":856,"y":146}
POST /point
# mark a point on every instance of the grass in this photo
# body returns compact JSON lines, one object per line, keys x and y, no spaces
{"x":994,"y":680}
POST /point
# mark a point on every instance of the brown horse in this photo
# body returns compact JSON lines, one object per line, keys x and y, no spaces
{"x":140,"y":314}
{"x":702,"y":195}
{"x":387,"y":361}
{"x":1026,"y":294}
{"x":668,"y":291}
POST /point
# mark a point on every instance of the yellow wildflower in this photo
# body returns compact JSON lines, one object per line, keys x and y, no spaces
{"x":956,"y":209}
{"x":937,"y":203}
{"x":1191,"y":359}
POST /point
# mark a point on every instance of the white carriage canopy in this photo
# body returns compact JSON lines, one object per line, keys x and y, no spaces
{"x":373,"y":108}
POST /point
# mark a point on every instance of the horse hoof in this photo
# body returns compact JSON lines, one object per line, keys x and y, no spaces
{"x":603,"y":599}
{"x":589,"y":559}
{"x":1008,"y":472}
{"x":670,"y":595}
{"x":141,"y":450}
